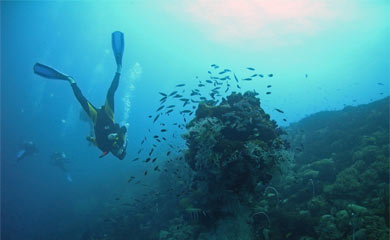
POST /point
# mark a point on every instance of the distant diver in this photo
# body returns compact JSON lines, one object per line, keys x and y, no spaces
{"x":109,"y":136}
{"x":59,"y":159}
{"x":27,"y":148}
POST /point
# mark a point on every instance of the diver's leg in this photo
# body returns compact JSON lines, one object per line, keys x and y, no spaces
{"x":87,"y":106}
{"x":109,"y":105}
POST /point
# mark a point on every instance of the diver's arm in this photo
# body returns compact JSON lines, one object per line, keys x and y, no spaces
{"x":92,"y":140}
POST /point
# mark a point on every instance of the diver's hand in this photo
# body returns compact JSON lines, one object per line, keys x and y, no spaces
{"x":112,"y":136}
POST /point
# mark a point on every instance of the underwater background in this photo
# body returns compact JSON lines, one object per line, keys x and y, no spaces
{"x":284,"y":132}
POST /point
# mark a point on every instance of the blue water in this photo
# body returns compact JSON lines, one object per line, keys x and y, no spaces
{"x":320,"y":61}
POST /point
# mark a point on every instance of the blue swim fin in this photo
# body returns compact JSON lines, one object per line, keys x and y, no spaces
{"x":48,"y":72}
{"x":69,"y":177}
{"x":118,"y":45}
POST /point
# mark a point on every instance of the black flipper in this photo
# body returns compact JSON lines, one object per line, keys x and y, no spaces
{"x":118,"y":46}
{"x":49,"y":72}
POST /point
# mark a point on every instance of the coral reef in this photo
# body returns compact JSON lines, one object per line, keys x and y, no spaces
{"x":238,"y":180}
{"x":232,"y":148}
{"x":338,"y":186}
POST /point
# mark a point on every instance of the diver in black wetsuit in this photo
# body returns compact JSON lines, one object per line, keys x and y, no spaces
{"x":109,"y":136}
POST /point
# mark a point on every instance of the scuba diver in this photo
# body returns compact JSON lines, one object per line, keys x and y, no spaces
{"x":27,"y":148}
{"x":59,"y":159}
{"x":109,"y":136}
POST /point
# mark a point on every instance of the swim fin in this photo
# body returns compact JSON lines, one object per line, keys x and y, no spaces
{"x":118,"y":45}
{"x":49,"y":72}
{"x":69,"y":177}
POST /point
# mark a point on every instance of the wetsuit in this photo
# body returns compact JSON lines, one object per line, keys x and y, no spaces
{"x":102,"y":118}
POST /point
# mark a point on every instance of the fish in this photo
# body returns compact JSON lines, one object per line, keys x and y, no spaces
{"x":148,"y":159}
{"x":268,"y":93}
{"x":171,"y":106}
{"x":151,"y":151}
{"x":178,"y":96}
{"x":169,"y":152}
{"x":172,"y":93}
{"x":270,"y":75}
{"x":142,"y":142}
{"x":261,"y":75}
{"x":379,"y":83}
{"x":130,"y":179}
{"x":203,"y":98}
{"x":251,"y":68}
{"x":163,"y":138}
{"x":279,"y":110}
{"x":247,"y":79}
{"x":184,"y":99}
{"x":209,"y":81}
{"x":146,"y":172}
{"x":155,"y":136}
{"x":180,"y":85}
{"x":238,"y":86}
{"x":158,"y":109}
{"x":284,"y":119}
{"x":185,"y":111}
{"x":155,"y":119}
{"x":158,"y":140}
{"x":209,"y":72}
{"x":154,"y":159}
{"x":201,"y":85}
{"x":135,"y":159}
{"x":235,"y":77}
{"x":139,"y":151}
{"x":163,"y":94}
{"x":156,"y":168}
{"x":150,"y":116}
{"x":268,"y":86}
{"x":163,"y":99}
{"x":185,"y":103}
{"x":169,"y":111}
{"x":227,"y":89}
{"x":163,"y":130}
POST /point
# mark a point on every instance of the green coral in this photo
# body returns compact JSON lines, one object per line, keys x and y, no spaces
{"x":327,"y":229}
